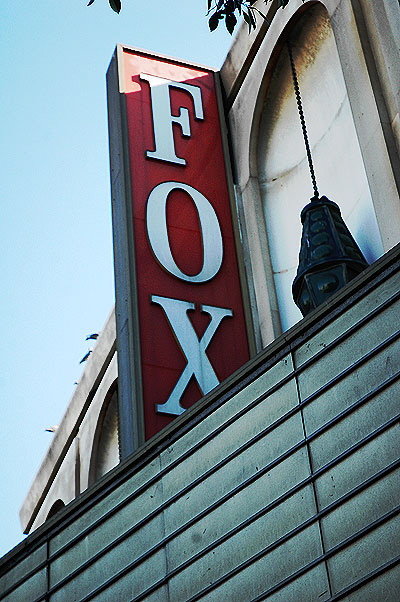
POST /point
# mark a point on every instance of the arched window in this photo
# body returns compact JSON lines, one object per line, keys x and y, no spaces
{"x":105,"y":453}
{"x":284,"y":179}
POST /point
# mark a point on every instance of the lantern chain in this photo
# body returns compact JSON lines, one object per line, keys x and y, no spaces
{"x":302,"y":121}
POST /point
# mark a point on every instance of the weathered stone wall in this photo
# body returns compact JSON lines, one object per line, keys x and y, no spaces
{"x":344,"y":51}
{"x":69,"y":466}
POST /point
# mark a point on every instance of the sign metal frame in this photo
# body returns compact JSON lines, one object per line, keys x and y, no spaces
{"x":130,"y":385}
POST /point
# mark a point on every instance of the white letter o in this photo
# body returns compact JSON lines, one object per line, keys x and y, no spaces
{"x":156,"y":220}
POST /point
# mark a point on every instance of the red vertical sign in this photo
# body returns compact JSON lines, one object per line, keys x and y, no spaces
{"x":190,"y":322}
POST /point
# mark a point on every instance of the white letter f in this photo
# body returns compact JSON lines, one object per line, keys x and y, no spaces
{"x":163,"y":119}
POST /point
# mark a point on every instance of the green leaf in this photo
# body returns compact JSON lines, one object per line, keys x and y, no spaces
{"x":230,"y":22}
{"x":252,"y":18}
{"x":247,"y":19}
{"x":213,"y":21}
{"x":255,"y":10}
{"x":115,"y":5}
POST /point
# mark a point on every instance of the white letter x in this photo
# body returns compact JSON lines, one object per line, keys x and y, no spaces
{"x":198,"y":364}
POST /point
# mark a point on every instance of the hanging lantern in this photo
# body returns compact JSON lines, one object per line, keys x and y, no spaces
{"x":329,"y":256}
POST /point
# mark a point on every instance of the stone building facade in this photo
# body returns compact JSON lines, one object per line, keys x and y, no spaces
{"x":282,"y":483}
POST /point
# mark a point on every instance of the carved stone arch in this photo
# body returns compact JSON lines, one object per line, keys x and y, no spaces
{"x":282,"y":169}
{"x":105,"y":449}
{"x":56,"y":507}
{"x":271,"y":60}
{"x":246,"y":103}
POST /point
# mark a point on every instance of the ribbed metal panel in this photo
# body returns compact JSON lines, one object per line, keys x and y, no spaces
{"x":285,"y":489}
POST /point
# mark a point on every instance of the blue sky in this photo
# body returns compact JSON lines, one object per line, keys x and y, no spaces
{"x":56,"y":260}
